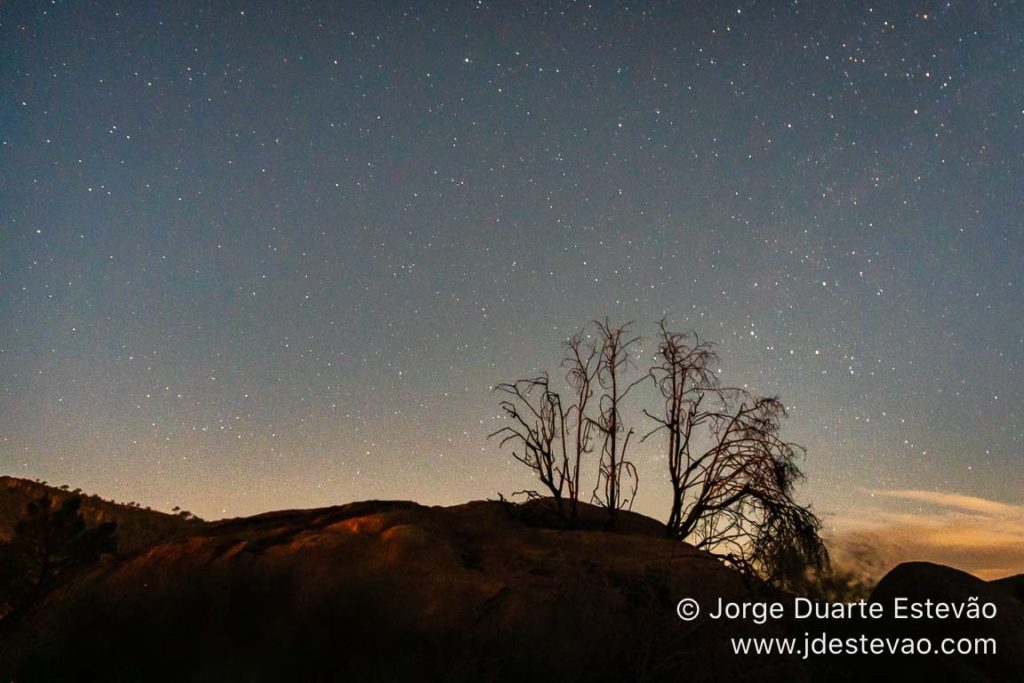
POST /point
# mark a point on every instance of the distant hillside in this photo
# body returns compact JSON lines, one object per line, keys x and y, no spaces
{"x":136,"y":527}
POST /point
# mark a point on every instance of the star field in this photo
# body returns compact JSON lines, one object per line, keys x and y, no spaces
{"x":259,"y":257}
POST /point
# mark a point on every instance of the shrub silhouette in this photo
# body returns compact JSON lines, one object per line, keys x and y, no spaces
{"x":51,"y":543}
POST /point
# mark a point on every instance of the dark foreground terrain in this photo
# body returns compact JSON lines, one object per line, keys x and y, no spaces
{"x":394,"y":591}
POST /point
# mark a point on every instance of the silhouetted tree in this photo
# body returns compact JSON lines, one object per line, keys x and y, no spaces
{"x":732,"y":474}
{"x":50,"y":543}
{"x":537,"y":433}
{"x":581,"y":364}
{"x":614,"y":349}
{"x":552,"y":436}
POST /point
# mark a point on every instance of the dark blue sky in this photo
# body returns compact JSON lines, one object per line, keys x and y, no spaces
{"x":260,"y":257}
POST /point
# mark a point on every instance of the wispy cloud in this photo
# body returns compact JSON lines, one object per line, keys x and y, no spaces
{"x":984,"y":537}
{"x":956,"y":501}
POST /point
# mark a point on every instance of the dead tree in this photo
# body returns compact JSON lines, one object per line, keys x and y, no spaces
{"x":614,"y":348}
{"x":732,"y":474}
{"x":537,"y":433}
{"x":684,"y":378}
{"x":581,"y":366}
{"x":553,"y":437}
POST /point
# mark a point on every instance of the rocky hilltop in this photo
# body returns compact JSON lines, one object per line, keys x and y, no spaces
{"x":388,"y":591}
{"x":395,"y":591}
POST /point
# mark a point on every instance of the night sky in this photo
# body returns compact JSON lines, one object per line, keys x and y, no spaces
{"x":269,"y":255}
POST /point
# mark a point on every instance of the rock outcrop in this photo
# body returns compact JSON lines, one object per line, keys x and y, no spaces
{"x":395,"y":591}
{"x":924,"y":582}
